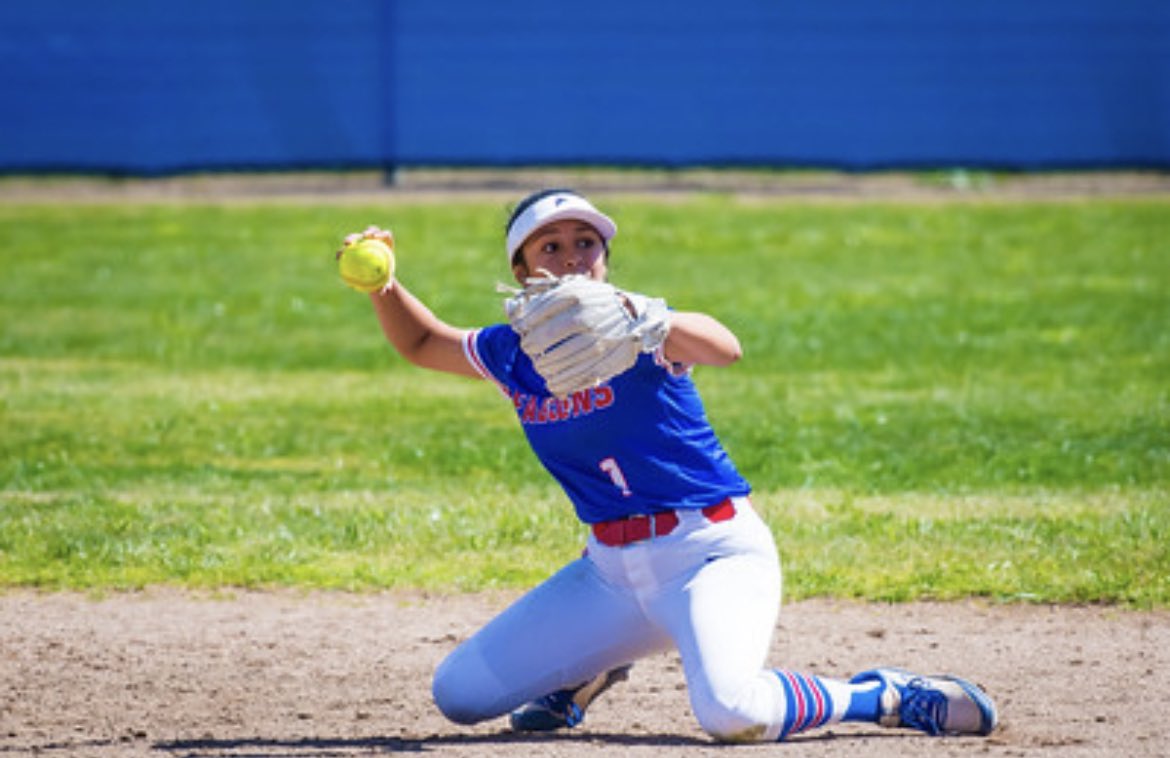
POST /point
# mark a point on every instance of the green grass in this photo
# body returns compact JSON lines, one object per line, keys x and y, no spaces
{"x":936,"y":401}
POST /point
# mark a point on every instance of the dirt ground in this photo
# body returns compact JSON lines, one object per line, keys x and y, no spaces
{"x":169,"y":673}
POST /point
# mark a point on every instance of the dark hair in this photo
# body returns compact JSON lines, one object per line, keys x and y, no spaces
{"x":536,"y":197}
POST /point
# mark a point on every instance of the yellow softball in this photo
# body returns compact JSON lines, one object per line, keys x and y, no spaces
{"x":367,"y":265}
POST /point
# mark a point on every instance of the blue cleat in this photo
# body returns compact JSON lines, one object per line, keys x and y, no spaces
{"x":937,"y":705}
{"x":565,"y":709}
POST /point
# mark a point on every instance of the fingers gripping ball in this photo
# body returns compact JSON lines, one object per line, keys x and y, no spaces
{"x":367,"y":265}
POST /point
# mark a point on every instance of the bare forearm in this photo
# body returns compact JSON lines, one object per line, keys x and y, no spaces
{"x":696,"y":338}
{"x":417,"y":334}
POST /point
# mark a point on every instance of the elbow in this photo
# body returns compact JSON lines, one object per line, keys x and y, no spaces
{"x":413,"y":352}
{"x":698,"y":339}
{"x":732,"y":352}
{"x":418,"y":355}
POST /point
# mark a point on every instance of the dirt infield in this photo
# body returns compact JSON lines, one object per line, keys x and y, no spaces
{"x":166,"y":673}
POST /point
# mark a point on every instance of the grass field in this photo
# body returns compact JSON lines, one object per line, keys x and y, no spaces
{"x":936,"y":400}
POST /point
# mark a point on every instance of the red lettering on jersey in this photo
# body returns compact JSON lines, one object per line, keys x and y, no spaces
{"x":535,"y":410}
{"x":582,"y":402}
{"x":529,"y":416}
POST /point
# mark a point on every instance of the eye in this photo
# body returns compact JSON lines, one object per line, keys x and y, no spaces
{"x":585,"y":243}
{"x":550,"y":248}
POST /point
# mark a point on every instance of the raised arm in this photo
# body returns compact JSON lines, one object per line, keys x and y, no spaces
{"x":418,"y":335}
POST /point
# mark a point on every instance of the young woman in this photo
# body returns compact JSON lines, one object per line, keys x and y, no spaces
{"x":676,"y":555}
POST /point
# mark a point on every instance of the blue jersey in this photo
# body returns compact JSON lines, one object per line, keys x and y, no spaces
{"x":640,"y":443}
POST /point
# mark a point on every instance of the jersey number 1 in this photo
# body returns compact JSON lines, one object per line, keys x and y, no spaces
{"x":611,"y":467}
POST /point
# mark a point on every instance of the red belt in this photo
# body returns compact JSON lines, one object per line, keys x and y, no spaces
{"x":624,"y":531}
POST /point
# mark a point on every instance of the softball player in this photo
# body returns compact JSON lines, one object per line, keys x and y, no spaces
{"x":676,"y":555}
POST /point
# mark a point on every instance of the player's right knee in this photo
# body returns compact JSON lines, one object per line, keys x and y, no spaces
{"x":452,"y":699}
{"x":456,"y":693}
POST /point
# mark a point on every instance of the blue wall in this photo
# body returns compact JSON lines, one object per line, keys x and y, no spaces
{"x":148,"y":86}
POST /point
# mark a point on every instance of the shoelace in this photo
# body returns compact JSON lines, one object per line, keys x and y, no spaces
{"x":923,"y":707}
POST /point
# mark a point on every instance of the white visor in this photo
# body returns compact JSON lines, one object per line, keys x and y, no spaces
{"x":556,"y":207}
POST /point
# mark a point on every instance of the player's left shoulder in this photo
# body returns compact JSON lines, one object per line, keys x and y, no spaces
{"x":674,"y":369}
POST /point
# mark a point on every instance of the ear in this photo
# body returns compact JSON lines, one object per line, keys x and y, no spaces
{"x":520,"y":271}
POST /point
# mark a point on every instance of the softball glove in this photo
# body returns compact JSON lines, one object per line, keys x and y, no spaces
{"x":580,"y":332}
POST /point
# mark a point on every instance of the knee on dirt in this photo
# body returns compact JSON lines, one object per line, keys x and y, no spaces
{"x":459,"y":692}
{"x":725,"y":718}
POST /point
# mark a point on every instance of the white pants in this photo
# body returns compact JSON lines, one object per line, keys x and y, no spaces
{"x":712,"y":590}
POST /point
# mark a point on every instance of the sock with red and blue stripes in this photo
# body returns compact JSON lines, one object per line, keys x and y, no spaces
{"x":808,"y":703}
{"x":814,"y":701}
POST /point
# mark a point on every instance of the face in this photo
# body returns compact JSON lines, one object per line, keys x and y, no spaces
{"x":562,"y":248}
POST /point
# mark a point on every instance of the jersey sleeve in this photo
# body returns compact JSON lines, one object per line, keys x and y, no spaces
{"x":491,"y":351}
{"x":673,"y":368}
